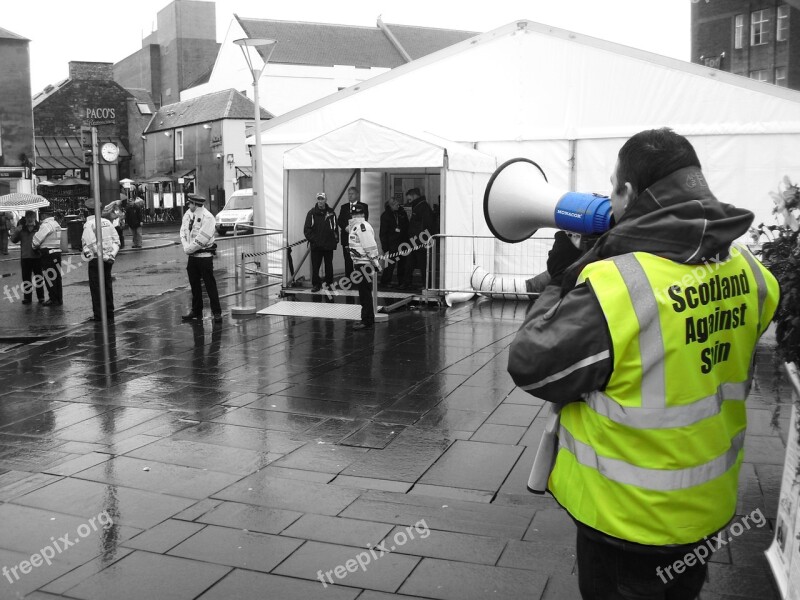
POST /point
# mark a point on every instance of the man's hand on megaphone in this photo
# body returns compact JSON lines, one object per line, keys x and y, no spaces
{"x":562,"y":254}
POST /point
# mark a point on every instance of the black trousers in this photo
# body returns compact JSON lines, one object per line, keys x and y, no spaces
{"x":121,"y":234}
{"x":317,"y":257}
{"x":365,"y":294}
{"x":388,"y":269}
{"x":348,"y":261}
{"x":416,"y":260}
{"x":51,"y":270}
{"x":30,"y":268}
{"x":606,"y":572}
{"x":94,"y":288}
{"x":201,"y":269}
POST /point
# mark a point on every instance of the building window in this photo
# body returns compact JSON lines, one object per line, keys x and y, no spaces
{"x":760,"y":75}
{"x":783,"y":23}
{"x":178,"y":144}
{"x":780,"y":76}
{"x":738,"y":32}
{"x":758,"y":27}
{"x":144,"y":109}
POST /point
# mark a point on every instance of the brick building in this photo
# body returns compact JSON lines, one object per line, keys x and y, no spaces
{"x":178,"y":55}
{"x":759,"y":39}
{"x":16,"y":114}
{"x":61,"y":110}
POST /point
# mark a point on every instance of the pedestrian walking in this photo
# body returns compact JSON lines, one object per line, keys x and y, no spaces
{"x":110,"y":240}
{"x":364,"y":252}
{"x":30,"y":263}
{"x":47,"y":241}
{"x":134,"y":217}
{"x":320,"y":231}
{"x":6,"y":224}
{"x":344,"y":222}
{"x":198,"y":229}
{"x":646,"y":344}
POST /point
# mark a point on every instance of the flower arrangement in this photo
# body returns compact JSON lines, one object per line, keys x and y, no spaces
{"x":781,"y":255}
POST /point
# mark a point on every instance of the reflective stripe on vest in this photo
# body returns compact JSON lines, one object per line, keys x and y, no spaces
{"x":654,"y":458}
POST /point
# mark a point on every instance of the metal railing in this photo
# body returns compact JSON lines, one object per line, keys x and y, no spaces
{"x":257,"y":253}
{"x":452,"y":259}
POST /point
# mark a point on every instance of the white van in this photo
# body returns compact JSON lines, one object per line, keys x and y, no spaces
{"x":238,"y":211}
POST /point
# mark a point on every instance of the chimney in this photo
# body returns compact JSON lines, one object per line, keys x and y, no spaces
{"x":97,"y":71}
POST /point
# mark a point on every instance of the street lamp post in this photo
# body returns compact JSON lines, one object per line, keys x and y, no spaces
{"x":256,"y":61}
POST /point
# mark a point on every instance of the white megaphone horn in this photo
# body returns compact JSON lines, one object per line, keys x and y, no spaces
{"x":518,"y":201}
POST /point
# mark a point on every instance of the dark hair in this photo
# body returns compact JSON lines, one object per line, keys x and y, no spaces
{"x":413,"y":192}
{"x":650,"y":156}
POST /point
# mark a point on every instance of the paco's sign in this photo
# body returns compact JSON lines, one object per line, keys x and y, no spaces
{"x":100,"y":114}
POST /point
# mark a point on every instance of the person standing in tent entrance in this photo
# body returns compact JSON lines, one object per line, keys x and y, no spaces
{"x":364,"y":251}
{"x":393,"y":232}
{"x":344,"y":219}
{"x":646,"y":344}
{"x":320,"y":231}
{"x":197,"y":235}
{"x":421,"y":221}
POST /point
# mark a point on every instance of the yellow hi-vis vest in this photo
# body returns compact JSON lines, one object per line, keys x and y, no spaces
{"x":654,"y":458}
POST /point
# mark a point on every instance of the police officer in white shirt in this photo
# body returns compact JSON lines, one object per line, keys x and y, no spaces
{"x":198,"y":229}
{"x":364,"y":252}
{"x":48,"y":241}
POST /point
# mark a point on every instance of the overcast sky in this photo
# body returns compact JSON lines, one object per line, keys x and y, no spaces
{"x":109,"y":30}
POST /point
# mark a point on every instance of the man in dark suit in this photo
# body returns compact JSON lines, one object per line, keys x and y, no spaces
{"x":343,"y":220}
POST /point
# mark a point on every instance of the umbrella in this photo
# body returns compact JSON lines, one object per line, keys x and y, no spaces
{"x":43,"y":182}
{"x":126,"y":180}
{"x":20,"y":201}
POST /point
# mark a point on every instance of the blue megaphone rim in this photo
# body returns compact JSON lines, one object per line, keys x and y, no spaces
{"x":497,"y":172}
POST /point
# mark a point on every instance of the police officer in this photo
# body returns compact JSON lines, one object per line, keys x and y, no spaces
{"x":48,"y":241}
{"x":198,"y":229}
{"x":110,"y":248}
{"x":345,"y":215}
{"x":364,"y":252}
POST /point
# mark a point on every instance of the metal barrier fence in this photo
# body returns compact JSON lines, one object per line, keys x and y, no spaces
{"x":452,"y":259}
{"x":258,"y":253}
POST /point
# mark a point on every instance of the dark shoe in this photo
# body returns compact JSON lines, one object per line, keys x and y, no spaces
{"x":41,"y":300}
{"x":218,"y":318}
{"x":360,"y":326}
{"x":26,"y":301}
{"x":316,"y":288}
{"x":52,"y":303}
{"x":191,"y":316}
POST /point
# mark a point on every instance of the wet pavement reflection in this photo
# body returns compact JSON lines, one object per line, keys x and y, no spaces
{"x":236,"y":460}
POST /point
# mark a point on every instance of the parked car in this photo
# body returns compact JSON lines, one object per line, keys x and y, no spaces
{"x":238,"y":212}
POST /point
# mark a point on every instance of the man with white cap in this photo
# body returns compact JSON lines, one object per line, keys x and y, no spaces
{"x":110,"y":249}
{"x":198,"y":229}
{"x":48,"y":241}
{"x":364,"y":252}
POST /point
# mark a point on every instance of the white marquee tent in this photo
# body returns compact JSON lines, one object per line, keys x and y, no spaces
{"x":565,"y":100}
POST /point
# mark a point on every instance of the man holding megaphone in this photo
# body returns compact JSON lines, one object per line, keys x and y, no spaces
{"x":645,"y":345}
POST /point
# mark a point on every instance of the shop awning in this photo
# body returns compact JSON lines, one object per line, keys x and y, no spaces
{"x":244,"y":172}
{"x":169,"y":177}
{"x":65,"y":152}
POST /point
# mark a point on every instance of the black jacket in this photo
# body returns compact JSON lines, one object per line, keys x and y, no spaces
{"x":421,"y":217}
{"x":320,"y":228}
{"x":344,"y":218}
{"x":391,"y":221}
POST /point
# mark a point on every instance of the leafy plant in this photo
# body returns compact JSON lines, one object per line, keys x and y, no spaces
{"x":781,"y":255}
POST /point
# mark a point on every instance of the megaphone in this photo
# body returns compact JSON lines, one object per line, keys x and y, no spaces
{"x":518,"y":201}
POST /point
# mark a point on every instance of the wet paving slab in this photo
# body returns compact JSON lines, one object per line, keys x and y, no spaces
{"x":272,"y":456}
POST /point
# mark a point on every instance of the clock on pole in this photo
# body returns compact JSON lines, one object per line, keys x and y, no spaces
{"x":109,"y":152}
